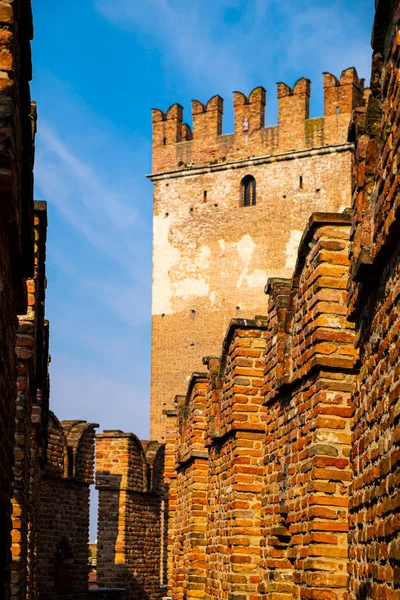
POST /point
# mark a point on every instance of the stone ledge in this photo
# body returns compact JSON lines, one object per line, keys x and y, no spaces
{"x":250,"y":162}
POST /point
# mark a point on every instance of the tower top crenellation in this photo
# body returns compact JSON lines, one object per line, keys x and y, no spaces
{"x":176,"y":145}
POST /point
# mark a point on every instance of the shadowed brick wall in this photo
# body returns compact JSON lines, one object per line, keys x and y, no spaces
{"x":374,"y":306}
{"x":211,"y":255}
{"x":31,"y":419}
{"x":16,"y":235}
{"x":63,"y":540}
{"x":129,"y":477}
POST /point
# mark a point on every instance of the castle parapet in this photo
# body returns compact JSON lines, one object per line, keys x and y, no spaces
{"x":207,"y":119}
{"x":293,"y":110}
{"x":249,"y":110}
{"x":344,"y":95}
{"x":176,"y":148}
{"x":167,"y":127}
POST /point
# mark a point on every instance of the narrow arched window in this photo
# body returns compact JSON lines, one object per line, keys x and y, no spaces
{"x":248,"y":191}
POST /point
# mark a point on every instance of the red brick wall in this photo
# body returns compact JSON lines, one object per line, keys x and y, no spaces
{"x":329,"y":525}
{"x":374,"y":304}
{"x":31,"y":418}
{"x":309,"y":380}
{"x":63,"y":538}
{"x":270,"y":430}
{"x":216,"y":525}
{"x":16,"y":247}
{"x":189,"y":565}
{"x":129,"y":477}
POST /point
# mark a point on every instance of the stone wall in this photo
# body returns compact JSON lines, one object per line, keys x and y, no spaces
{"x":374,"y":304}
{"x":63,"y":538}
{"x":129,"y":477}
{"x":16,"y":236}
{"x":211,"y":255}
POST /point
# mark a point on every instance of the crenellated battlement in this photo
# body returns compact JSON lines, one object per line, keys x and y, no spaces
{"x":343,"y":95}
{"x":177,"y":147}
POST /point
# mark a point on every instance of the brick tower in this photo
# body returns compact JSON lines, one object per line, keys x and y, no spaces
{"x":229,"y":211}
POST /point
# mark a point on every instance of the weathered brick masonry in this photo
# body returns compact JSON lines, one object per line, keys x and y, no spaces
{"x":63,"y":536}
{"x":309,"y":379}
{"x":31,"y":419}
{"x":129,"y":477}
{"x":374,"y":306}
{"x":16,"y":236}
{"x":279,"y":477}
{"x":321,"y":518}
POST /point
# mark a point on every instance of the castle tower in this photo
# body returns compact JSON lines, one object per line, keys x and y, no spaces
{"x":229,"y":211}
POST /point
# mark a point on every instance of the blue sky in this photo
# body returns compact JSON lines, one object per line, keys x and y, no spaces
{"x":99,"y":68}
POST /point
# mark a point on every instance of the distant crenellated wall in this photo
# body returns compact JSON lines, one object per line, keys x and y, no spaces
{"x":129,"y":477}
{"x":212,"y":255}
{"x":63,"y":538}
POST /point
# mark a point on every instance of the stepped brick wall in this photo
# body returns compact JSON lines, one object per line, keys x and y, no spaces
{"x":235,"y":442}
{"x":16,"y":237}
{"x":279,"y":476}
{"x":211,"y":254}
{"x":188,"y":553}
{"x":63,"y":538}
{"x":129,"y":477}
{"x":263,"y":442}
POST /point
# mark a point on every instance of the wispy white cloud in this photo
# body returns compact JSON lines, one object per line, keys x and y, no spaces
{"x":90,"y":394}
{"x":106,"y":218}
{"x":190,"y":35}
{"x":97,"y":211}
{"x":327,"y":35}
{"x":239,"y":44}
{"x":99,"y":262}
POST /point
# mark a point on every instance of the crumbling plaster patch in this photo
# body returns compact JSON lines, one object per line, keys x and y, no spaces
{"x":292,"y":247}
{"x":178,"y":276}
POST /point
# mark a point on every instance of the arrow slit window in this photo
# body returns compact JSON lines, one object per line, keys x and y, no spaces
{"x":248,"y":191}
